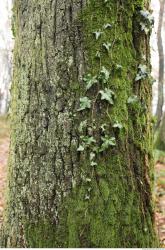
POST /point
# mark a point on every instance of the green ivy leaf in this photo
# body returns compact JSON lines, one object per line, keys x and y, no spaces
{"x":104,"y":75}
{"x":107,"y":46}
{"x":92,"y":156}
{"x":95,"y":149}
{"x":103,"y":127}
{"x":81,"y":148}
{"x":144,"y":28}
{"x":85,"y":103}
{"x":107,"y":142}
{"x":107,"y":26}
{"x":89,"y":140}
{"x":147,"y":22}
{"x":107,"y":95}
{"x":97,"y":34}
{"x":145,"y":13}
{"x":142,"y":72}
{"x":148,"y":16}
{"x":119,"y":67}
{"x":82,"y":125}
{"x":132,"y":99}
{"x":90,"y":81}
{"x":98,"y":55}
{"x":87,"y":197}
{"x":93,"y":164}
{"x":118,"y":125}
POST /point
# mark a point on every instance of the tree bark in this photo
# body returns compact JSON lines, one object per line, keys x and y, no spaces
{"x":159,"y":111}
{"x":56,"y":196}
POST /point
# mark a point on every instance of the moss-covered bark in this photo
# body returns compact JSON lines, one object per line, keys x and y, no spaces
{"x":55,"y":197}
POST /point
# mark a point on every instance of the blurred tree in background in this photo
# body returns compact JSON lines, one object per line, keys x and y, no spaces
{"x":160,"y":115}
{"x":159,"y":111}
{"x":6,"y":45}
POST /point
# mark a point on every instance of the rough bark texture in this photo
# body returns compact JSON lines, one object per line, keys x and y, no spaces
{"x":159,"y":111}
{"x":55,"y":198}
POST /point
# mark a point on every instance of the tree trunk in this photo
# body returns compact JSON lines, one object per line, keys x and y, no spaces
{"x":6,"y":46}
{"x":80,"y":170}
{"x":160,"y":137}
{"x":5,"y":80}
{"x":159,"y":111}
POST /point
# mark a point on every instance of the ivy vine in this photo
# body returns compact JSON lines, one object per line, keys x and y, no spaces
{"x":88,"y":141}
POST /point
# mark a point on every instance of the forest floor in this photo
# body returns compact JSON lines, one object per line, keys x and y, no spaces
{"x":159,"y":187}
{"x":160,"y":201}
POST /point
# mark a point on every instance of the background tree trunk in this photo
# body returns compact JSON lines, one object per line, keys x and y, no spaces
{"x":160,"y":137}
{"x":5,"y":80}
{"x":159,"y":111}
{"x":6,"y":46}
{"x":55,"y":197}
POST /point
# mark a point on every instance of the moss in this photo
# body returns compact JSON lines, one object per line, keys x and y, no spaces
{"x":40,"y":235}
{"x":117,"y":212}
{"x":104,"y":189}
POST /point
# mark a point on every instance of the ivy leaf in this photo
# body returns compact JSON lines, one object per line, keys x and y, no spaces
{"x":144,"y":13}
{"x":97,"y":34}
{"x":143,"y":69}
{"x":82,"y":125}
{"x":148,"y":16}
{"x":107,"y":26}
{"x":90,"y":81}
{"x":107,"y":142}
{"x":107,"y":95}
{"x":88,"y":140}
{"x":118,"y":125}
{"x":92,"y":156}
{"x":93,"y":163}
{"x":103,"y":127}
{"x":104,"y":75}
{"x":85,"y":103}
{"x":138,"y":77}
{"x":119,"y":67}
{"x":95,"y":149}
{"x":98,"y":55}
{"x":148,"y":21}
{"x":88,"y":180}
{"x":132,"y":99}
{"x":81,"y":148}
{"x":107,"y":46}
{"x":87,"y":197}
{"x":142,"y":72}
{"x":144,"y":28}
